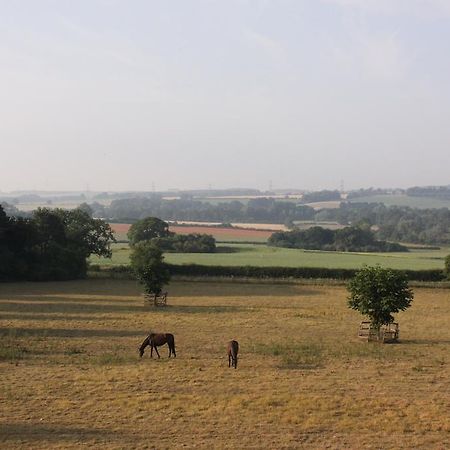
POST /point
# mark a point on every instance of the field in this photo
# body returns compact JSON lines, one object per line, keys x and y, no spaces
{"x":71,"y":376}
{"x":262,"y":255}
{"x":223,"y":234}
{"x":403,"y":200}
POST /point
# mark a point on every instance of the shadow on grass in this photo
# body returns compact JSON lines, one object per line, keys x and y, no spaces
{"x":60,"y":305}
{"x":186,"y":309}
{"x":65,"y":332}
{"x":44,"y":317}
{"x":11,"y":431}
{"x":109,"y":290}
{"x":423,"y":341}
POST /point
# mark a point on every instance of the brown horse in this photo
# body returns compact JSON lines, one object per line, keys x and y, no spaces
{"x":155,"y":340}
{"x":233,"y":349}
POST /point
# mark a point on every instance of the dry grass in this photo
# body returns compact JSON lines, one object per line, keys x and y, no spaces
{"x":71,"y":376}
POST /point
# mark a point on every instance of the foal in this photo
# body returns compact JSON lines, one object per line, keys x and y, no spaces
{"x":155,"y":340}
{"x":233,"y":349}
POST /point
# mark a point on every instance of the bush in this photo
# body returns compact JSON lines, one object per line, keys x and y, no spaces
{"x":447,"y":266}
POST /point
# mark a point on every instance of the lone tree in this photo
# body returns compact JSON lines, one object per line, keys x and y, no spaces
{"x":147,"y":229}
{"x":148,"y":264}
{"x":378,"y":293}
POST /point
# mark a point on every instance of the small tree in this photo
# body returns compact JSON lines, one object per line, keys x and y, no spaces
{"x":378,"y":293}
{"x":447,"y":266}
{"x":148,"y":228}
{"x":148,"y":264}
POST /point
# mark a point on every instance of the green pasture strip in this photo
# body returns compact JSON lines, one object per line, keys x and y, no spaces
{"x":264,"y":256}
{"x":403,"y":200}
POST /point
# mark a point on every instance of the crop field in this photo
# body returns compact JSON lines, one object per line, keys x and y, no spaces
{"x":71,"y":376}
{"x":223,"y":234}
{"x":262,"y":255}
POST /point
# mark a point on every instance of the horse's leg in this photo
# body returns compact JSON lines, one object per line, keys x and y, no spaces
{"x":173,"y":350}
{"x":170,"y":349}
{"x":156,"y":350}
{"x":229,"y":360}
{"x":151,"y":351}
{"x":235,"y":362}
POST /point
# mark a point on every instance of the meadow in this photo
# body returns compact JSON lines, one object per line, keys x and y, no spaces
{"x":71,"y":375}
{"x":403,"y":200}
{"x":237,"y":254}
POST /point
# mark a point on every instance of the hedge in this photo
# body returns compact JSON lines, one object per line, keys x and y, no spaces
{"x":196,"y":270}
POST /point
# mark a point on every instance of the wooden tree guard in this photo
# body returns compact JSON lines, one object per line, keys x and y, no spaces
{"x":156,"y":300}
{"x":387,"y":333}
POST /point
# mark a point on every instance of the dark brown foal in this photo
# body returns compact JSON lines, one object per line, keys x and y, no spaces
{"x":155,"y":340}
{"x":233,"y":349}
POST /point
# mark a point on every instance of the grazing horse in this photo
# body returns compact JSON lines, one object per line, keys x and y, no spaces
{"x":233,"y":349}
{"x":155,"y":340}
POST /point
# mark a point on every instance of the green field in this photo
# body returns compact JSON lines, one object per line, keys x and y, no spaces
{"x":261,"y":255}
{"x":403,"y":200}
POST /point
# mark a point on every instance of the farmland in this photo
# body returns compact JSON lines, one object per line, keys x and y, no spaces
{"x":71,"y":375}
{"x":403,"y":200}
{"x":223,"y":234}
{"x":262,"y":255}
{"x":252,"y":252}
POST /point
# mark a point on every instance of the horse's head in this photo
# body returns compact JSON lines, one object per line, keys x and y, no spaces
{"x":143,"y":345}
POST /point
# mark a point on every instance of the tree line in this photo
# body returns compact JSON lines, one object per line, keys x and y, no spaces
{"x":51,"y":244}
{"x":390,"y":223}
{"x":348,"y":239}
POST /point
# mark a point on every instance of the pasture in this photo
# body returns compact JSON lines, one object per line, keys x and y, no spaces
{"x":403,"y":200}
{"x":71,"y":375}
{"x":233,"y":254}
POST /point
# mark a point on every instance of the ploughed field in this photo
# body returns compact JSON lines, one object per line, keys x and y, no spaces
{"x":71,"y":375}
{"x":219,"y":233}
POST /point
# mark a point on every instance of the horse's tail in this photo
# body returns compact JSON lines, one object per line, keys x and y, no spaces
{"x":171,"y":342}
{"x":143,"y":345}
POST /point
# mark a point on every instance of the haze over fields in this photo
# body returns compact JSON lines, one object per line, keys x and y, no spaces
{"x":141,"y":95}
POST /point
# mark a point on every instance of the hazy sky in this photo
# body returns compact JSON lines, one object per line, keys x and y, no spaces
{"x":118,"y":95}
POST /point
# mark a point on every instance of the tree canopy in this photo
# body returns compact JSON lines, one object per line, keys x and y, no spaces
{"x":51,"y":245}
{"x":348,"y":239}
{"x":148,"y":264}
{"x":378,"y":293}
{"x":147,"y":229}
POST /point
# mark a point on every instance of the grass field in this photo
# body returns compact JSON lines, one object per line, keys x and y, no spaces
{"x":404,"y":200}
{"x":262,"y":255}
{"x":71,"y":376}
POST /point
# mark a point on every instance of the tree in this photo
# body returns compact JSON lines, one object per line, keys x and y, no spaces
{"x":148,"y":228}
{"x":447,"y":266}
{"x":148,"y":264}
{"x":378,"y":293}
{"x":52,"y":245}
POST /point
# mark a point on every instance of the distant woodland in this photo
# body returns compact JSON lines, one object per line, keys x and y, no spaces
{"x":389,"y":223}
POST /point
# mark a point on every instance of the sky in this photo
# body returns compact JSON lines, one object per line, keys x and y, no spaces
{"x":112,"y":95}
